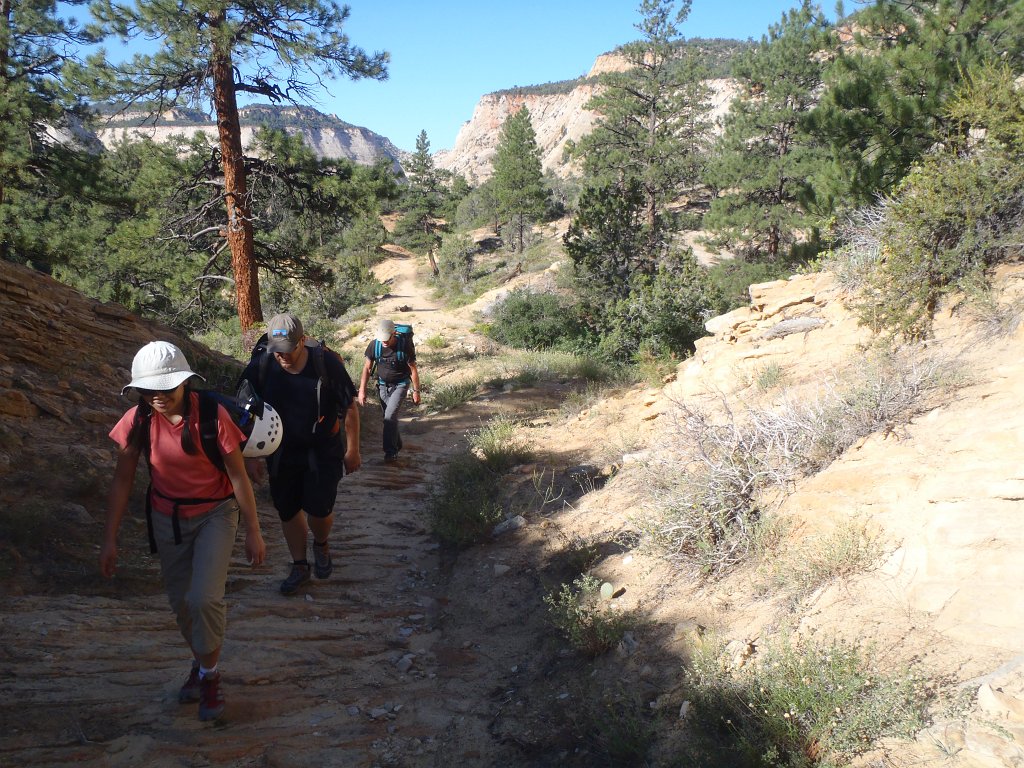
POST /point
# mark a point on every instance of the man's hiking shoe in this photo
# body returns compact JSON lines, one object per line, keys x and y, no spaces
{"x":211,"y":697}
{"x":390,"y":457}
{"x":190,"y":690}
{"x":323,"y":566}
{"x":298,"y":577}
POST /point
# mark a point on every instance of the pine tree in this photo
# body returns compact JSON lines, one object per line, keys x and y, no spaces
{"x":518,"y":178}
{"x":653,"y":119}
{"x":421,"y":199}
{"x":765,"y":157}
{"x":883,"y":105}
{"x":35,"y":40}
{"x":211,"y":52}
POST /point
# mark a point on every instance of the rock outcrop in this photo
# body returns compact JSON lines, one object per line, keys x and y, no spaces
{"x":63,"y":362}
{"x":557,"y":119}
{"x":943,"y":493}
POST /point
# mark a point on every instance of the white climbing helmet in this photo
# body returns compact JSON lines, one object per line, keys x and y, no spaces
{"x":159,"y":365}
{"x":267,"y":430}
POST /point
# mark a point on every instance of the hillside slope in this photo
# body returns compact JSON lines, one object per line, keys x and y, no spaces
{"x":409,"y":657}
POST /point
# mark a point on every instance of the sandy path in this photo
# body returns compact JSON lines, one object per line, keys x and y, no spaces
{"x":358,"y":671}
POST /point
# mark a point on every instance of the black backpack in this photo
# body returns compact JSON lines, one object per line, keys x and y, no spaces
{"x":262,"y":356}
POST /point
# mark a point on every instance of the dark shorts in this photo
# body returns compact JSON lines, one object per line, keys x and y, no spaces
{"x":311,"y":486}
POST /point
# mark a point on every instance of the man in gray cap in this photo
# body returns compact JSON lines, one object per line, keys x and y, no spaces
{"x":310,"y":388}
{"x":394,"y":356}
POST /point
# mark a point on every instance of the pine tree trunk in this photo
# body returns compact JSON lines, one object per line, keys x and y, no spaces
{"x":239,"y":228}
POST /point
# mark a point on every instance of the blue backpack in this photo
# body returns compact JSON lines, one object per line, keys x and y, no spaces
{"x":404,"y":333}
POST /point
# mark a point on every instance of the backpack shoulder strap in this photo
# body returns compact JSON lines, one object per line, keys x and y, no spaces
{"x":318,"y":361}
{"x":208,"y":429}
{"x":264,"y":365}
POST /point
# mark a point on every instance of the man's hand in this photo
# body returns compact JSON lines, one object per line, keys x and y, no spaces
{"x":416,"y":396}
{"x":361,"y":397}
{"x":352,"y":461}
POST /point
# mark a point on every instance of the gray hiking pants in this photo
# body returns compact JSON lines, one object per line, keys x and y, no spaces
{"x":196,"y":571}
{"x":391,"y":398}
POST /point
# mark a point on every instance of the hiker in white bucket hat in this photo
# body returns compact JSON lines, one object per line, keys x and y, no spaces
{"x":192,"y":507}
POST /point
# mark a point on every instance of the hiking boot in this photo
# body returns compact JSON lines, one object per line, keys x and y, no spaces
{"x":298,"y":577}
{"x":211,"y":697}
{"x":190,"y":690}
{"x":390,"y":457}
{"x":323,"y":566}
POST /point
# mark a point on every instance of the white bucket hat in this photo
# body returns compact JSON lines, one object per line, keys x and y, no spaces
{"x":159,"y":365}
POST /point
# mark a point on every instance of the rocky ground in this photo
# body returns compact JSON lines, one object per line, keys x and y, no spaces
{"x":406,"y":656}
{"x":412,"y":656}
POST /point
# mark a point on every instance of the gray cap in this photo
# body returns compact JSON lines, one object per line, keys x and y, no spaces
{"x":284,"y":332}
{"x":384,"y":329}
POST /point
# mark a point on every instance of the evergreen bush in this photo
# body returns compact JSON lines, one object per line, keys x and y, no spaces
{"x":528,"y":320}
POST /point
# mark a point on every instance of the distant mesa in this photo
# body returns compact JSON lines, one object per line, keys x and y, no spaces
{"x":327,"y":136}
{"x":558,"y":113}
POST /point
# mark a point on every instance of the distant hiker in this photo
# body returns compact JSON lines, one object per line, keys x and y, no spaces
{"x":193,"y":507}
{"x":393,"y":354}
{"x":309,"y":386}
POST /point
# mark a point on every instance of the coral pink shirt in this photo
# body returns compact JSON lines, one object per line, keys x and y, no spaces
{"x":177,"y":474}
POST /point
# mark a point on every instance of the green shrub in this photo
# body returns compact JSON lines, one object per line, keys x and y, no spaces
{"x":590,"y":625}
{"x":463,"y":504}
{"x":951,"y":219}
{"x":665,"y":312}
{"x":449,"y":396}
{"x":614,"y":727}
{"x":342,"y":284}
{"x":499,"y":444}
{"x":528,"y":320}
{"x":457,"y":281}
{"x":769,"y":376}
{"x":436,"y":342}
{"x":796,"y":705}
{"x":554,"y":365}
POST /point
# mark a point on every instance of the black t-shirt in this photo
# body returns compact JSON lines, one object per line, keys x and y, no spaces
{"x":309,"y":421}
{"x":391,"y":369}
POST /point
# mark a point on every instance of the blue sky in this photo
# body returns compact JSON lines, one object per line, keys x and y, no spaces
{"x":446,"y":54}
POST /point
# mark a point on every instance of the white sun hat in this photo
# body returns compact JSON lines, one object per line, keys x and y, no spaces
{"x":159,"y":365}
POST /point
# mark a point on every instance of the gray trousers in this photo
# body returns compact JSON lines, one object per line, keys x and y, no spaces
{"x":391,"y":398}
{"x":195,"y":572}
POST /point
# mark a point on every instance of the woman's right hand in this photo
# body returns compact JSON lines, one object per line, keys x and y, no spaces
{"x":108,"y":558}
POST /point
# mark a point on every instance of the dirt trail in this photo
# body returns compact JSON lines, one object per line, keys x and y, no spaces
{"x":358,"y":671}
